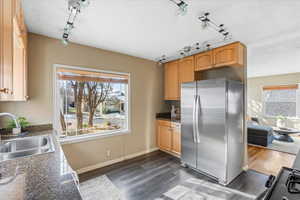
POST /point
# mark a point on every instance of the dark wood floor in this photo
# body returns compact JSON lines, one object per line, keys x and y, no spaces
{"x":148,"y":177}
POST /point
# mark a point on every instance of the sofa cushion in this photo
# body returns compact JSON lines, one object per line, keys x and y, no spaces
{"x":259,"y":135}
{"x":259,"y":128}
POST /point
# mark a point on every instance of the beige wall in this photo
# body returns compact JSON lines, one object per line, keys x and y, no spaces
{"x":146,"y":97}
{"x":255,"y":107}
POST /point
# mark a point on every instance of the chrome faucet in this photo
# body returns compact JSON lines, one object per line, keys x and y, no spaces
{"x":13,"y":117}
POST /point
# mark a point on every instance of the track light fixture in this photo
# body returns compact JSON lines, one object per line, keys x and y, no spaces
{"x":182,"y":6}
{"x":74,"y":7}
{"x":162,"y":59}
{"x":199,"y":47}
{"x":193,"y":49}
{"x":78,"y":4}
{"x":220,"y":28}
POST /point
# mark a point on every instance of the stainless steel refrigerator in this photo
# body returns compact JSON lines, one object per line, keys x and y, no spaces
{"x":212,"y":120}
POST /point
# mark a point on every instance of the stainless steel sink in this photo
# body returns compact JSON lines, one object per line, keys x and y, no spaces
{"x":20,"y":147}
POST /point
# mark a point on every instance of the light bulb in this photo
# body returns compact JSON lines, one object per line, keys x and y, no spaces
{"x":182,"y":9}
{"x":85,"y":3}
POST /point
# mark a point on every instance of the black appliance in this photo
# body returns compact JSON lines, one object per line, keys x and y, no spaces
{"x":286,"y":186}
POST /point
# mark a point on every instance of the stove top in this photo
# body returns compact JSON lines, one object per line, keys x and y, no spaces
{"x":286,"y":186}
{"x":293,"y":182}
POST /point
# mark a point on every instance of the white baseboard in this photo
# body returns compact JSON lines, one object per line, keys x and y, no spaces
{"x":140,"y":153}
{"x":110,"y":162}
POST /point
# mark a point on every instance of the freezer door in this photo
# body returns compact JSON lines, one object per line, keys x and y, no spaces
{"x":211,"y":153}
{"x":188,"y":137}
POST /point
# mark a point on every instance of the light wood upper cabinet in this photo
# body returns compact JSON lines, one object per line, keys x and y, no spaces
{"x":172,"y":81}
{"x":6,"y":53}
{"x":19,"y":64}
{"x":190,"y":68}
{"x":186,"y":69}
{"x":13,"y":54}
{"x":177,"y":72}
{"x":229,"y":55}
{"x":204,"y":61}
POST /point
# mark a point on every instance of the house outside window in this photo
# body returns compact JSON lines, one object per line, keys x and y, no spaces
{"x":281,"y":101}
{"x":90,"y":103}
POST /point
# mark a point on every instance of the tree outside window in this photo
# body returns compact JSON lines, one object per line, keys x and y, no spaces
{"x":91,"y":102}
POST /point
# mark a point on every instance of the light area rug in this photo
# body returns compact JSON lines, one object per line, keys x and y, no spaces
{"x":99,"y":188}
{"x":287,"y":147}
{"x":197,"y":189}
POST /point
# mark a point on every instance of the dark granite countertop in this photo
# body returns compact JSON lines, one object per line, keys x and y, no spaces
{"x":45,"y":176}
{"x":169,"y":119}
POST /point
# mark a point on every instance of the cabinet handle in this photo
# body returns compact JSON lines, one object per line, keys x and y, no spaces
{"x":4,"y":90}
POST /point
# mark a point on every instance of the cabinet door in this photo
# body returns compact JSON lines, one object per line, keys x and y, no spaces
{"x":176,"y":141}
{"x":164,"y":137}
{"x":229,"y":55}
{"x":203,"y":61}
{"x":6,"y":50}
{"x":171,"y":81}
{"x":186,"y":70}
{"x":18,"y":10}
{"x":19,"y":63}
{"x":13,"y":53}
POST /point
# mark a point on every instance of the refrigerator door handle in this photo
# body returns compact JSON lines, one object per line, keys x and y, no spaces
{"x":197,"y":118}
{"x":194,"y":119}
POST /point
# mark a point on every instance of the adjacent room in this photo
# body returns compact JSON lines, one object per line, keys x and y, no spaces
{"x":273,"y":105}
{"x":149,"y":100}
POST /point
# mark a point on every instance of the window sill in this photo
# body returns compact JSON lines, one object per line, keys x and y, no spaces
{"x":88,"y":137}
{"x":288,"y":118}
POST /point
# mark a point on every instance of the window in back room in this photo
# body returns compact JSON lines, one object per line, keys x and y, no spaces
{"x":281,"y":101}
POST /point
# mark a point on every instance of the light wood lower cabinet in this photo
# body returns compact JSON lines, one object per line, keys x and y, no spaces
{"x":165,"y":137}
{"x":176,"y":140}
{"x":169,"y":137}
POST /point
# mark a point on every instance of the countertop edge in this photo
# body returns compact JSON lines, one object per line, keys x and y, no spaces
{"x":61,"y":183}
{"x":296,"y":164}
{"x":168,"y":119}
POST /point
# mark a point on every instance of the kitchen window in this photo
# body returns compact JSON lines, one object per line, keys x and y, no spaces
{"x":282,"y":101}
{"x":90,"y":103}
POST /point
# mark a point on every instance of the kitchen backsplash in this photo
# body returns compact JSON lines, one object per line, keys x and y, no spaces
{"x":176,"y":104}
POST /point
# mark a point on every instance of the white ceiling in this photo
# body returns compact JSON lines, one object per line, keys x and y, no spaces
{"x":151,"y":28}
{"x":275,"y":55}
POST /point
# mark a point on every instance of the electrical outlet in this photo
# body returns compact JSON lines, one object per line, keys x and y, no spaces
{"x":108,"y":153}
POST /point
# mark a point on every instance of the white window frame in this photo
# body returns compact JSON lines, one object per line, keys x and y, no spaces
{"x":92,"y":136}
{"x":297,"y":104}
